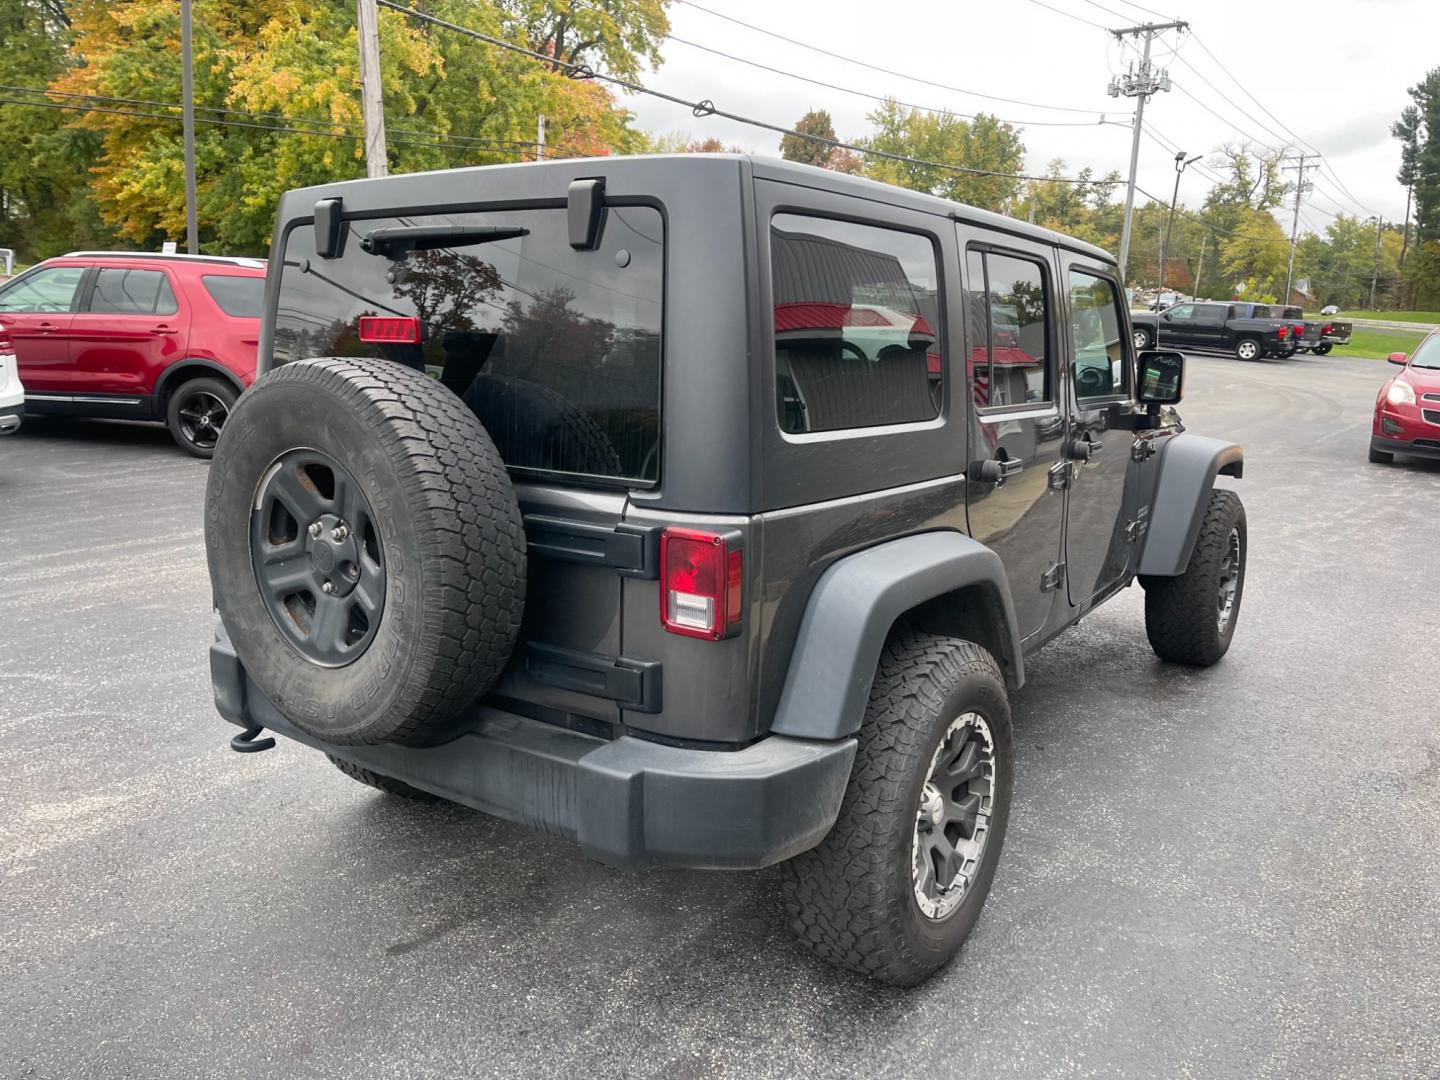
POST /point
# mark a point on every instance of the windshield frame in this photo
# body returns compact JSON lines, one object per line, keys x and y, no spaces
{"x":1431,"y":345}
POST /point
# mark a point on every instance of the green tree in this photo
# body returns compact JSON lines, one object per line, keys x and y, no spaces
{"x":618,"y":35}
{"x":985,"y":144}
{"x":817,"y":123}
{"x":1407,"y":130}
{"x":1256,"y":254}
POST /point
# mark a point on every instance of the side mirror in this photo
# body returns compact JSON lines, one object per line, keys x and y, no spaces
{"x":1165,"y":315}
{"x":1397,"y":358}
{"x":1162,"y":377}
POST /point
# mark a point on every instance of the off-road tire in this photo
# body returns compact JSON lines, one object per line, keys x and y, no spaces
{"x":851,"y":899}
{"x":1381,"y":457}
{"x":449,"y":529}
{"x":380,"y":781}
{"x":182,"y":428}
{"x":1248,"y":348}
{"x":1181,"y":612}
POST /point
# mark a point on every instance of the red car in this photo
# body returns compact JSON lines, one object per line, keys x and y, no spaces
{"x":1407,"y":412}
{"x":137,"y":336}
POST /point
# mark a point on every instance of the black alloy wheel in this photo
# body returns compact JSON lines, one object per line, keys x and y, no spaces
{"x":318,"y":558}
{"x":197,"y":412}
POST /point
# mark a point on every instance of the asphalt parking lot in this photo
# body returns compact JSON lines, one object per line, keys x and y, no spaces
{"x":1233,"y":872}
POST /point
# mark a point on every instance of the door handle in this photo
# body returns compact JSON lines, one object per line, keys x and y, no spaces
{"x":994,"y":471}
{"x":1083,"y":450}
{"x":162,"y":329}
{"x":47,"y":328}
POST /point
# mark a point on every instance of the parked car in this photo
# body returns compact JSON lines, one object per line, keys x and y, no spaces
{"x":581,"y":505}
{"x":1330,"y":309}
{"x":1216,"y":326}
{"x":138,"y":336}
{"x":12,"y":393}
{"x":1407,"y":409}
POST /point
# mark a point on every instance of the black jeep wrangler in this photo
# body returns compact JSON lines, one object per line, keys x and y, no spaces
{"x":703,"y":510}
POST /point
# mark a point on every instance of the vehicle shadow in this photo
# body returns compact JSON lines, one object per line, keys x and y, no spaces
{"x":94,"y":431}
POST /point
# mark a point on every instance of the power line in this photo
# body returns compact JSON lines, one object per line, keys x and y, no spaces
{"x":1228,"y":123}
{"x":880,"y":97}
{"x":1263,"y":127}
{"x":707,"y":107}
{"x":1057,"y":11}
{"x":884,"y":70}
{"x":1108,"y":11}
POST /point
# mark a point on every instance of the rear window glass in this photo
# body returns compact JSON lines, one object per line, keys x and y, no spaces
{"x":131,"y":292}
{"x":239,"y":297}
{"x":556,"y":350}
{"x":856,"y":312}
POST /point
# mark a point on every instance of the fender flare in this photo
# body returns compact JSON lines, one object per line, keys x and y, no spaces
{"x":851,"y":611}
{"x":1186,"y":476}
{"x":180,"y":367}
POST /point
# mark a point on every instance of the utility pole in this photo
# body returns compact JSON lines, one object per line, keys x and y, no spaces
{"x":1375,"y":271}
{"x":1140,"y":85}
{"x":1199,"y":268}
{"x":367,"y":21}
{"x":1181,"y":164}
{"x":187,"y":108}
{"x":1299,"y":168}
{"x":540,"y":138}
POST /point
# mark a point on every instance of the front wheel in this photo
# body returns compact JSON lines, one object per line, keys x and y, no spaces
{"x":1143,"y":339}
{"x":1247,"y":349}
{"x":197,"y":412}
{"x":1190,"y":619}
{"x":1381,"y":457}
{"x":899,"y":882}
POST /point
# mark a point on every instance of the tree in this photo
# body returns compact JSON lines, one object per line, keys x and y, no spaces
{"x":986,"y":144}
{"x":817,"y":123}
{"x":1426,"y":95}
{"x":618,"y":35}
{"x":1407,"y":130}
{"x":1084,"y":210}
{"x":1256,"y":254}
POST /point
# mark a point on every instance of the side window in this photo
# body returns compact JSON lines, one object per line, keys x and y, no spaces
{"x":51,"y":289}
{"x":132,"y":292}
{"x":1006,"y":320}
{"x":1100,"y":367}
{"x":1182,"y":311}
{"x":857,"y":314}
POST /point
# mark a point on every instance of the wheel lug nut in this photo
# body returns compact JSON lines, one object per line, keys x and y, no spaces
{"x":340,"y":532}
{"x":352,"y":571}
{"x":327,"y":586}
{"x":316,"y":529}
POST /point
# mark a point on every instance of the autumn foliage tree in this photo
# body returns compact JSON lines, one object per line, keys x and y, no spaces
{"x":987,"y":145}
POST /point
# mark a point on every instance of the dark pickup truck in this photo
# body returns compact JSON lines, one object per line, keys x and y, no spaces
{"x":1216,"y":326}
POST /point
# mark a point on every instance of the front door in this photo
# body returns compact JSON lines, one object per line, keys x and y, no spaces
{"x":1099,"y":435}
{"x":127,"y":330}
{"x":1015,"y":500}
{"x":35,"y":310}
{"x":1177,"y":325}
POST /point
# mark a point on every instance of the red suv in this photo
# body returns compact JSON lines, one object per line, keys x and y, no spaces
{"x":137,"y":336}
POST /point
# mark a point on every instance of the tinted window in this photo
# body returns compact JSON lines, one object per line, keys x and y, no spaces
{"x":1100,"y":367}
{"x":1184,"y":311}
{"x":556,"y":350}
{"x":241,"y":297}
{"x":1006,"y":320}
{"x":50,"y":289}
{"x":1211,"y":312}
{"x":856,"y":318}
{"x":132,"y":292}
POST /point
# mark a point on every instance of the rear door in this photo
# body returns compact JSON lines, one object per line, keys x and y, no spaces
{"x":1099,"y":436}
{"x":130,"y":326}
{"x":37,"y":309}
{"x":1017,"y":427}
{"x":1209,"y":324}
{"x":557,"y":351}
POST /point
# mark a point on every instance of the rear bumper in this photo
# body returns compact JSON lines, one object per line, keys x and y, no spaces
{"x":626,"y":802}
{"x":10,"y":417}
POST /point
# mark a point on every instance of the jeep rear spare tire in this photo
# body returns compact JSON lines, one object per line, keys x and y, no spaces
{"x":366,"y":550}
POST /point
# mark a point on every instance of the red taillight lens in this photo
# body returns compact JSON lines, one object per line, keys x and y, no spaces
{"x":1327,"y":329}
{"x":1282,"y":332}
{"x":389,"y":330}
{"x":700,"y":583}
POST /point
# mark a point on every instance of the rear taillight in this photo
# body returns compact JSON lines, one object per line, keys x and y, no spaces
{"x":5,"y":345}
{"x":700,"y":577}
{"x":1327,"y":329}
{"x":389,"y":330}
{"x":1282,"y":332}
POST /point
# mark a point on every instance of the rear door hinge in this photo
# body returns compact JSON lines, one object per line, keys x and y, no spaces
{"x":1134,"y":530}
{"x":1053,"y":578}
{"x":1142,"y":450}
{"x":1059,"y":476}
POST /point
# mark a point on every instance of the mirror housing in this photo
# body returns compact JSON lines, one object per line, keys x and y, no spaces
{"x":1165,"y":315}
{"x":1162,"y":378}
{"x":1396,"y":358}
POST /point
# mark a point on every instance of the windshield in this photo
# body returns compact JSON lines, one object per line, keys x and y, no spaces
{"x":1428,"y":354}
{"x":556,"y":350}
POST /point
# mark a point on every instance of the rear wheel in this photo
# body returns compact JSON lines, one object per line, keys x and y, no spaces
{"x":197,"y":412}
{"x":1323,"y":349}
{"x":1190,"y":619}
{"x":898,"y":883}
{"x":380,"y":781}
{"x":1247,"y":349}
{"x":1381,"y":457}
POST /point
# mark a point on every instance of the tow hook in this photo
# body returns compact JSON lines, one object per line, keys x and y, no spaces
{"x":247,"y":743}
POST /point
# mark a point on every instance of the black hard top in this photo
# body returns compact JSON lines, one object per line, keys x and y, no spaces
{"x":448,"y":186}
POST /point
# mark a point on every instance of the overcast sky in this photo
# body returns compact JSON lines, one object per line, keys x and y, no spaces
{"x":1334,"y":72}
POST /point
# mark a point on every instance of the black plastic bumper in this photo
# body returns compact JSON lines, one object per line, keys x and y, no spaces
{"x":626,"y":802}
{"x":10,"y":417}
{"x":1401,"y":446}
